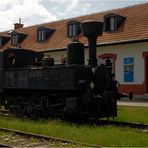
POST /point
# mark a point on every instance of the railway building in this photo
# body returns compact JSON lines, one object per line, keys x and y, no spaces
{"x":124,"y":42}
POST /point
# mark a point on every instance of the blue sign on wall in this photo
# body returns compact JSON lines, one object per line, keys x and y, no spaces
{"x":129,"y":69}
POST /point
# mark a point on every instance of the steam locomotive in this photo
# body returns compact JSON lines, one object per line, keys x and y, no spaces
{"x":33,"y":86}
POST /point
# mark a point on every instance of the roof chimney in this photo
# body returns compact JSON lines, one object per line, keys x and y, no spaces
{"x":18,"y":25}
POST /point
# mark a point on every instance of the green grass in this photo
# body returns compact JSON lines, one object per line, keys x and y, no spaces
{"x":102,"y":136}
{"x":133,"y":114}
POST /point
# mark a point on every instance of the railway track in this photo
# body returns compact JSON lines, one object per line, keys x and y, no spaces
{"x":127,"y":124}
{"x":141,"y":127}
{"x":118,"y":124}
{"x":100,"y":122}
{"x":48,"y":138}
{"x":5,"y":146}
{"x":4,"y":111}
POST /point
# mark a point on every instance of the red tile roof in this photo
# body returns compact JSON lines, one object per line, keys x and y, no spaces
{"x":135,"y":27}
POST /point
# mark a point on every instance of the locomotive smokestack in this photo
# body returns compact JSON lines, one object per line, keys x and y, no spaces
{"x":92,"y":29}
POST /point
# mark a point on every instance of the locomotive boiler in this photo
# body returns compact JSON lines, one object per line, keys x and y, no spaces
{"x":33,"y":86}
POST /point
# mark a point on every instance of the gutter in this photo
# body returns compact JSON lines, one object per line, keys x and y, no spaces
{"x":123,"y":42}
{"x":101,"y":44}
{"x":53,"y":50}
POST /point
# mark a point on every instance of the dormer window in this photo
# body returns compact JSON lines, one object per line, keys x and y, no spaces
{"x":1,"y":42}
{"x":14,"y":39}
{"x":73,"y":29}
{"x":41,"y":35}
{"x":17,"y":37}
{"x":4,"y":40}
{"x":112,"y":22}
{"x":44,"y":33}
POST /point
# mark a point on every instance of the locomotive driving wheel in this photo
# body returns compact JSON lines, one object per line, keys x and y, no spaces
{"x":30,"y":110}
{"x":34,"y":108}
{"x":19,"y":106}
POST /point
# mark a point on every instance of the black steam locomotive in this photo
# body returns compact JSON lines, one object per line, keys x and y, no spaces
{"x":33,"y":86}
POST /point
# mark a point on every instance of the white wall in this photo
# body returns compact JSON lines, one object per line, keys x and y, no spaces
{"x":57,"y":55}
{"x":127,"y":50}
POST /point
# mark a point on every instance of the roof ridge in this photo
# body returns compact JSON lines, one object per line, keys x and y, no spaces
{"x":85,"y":15}
{"x":115,"y":9}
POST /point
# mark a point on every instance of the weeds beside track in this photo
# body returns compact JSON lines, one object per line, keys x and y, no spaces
{"x":38,"y":136}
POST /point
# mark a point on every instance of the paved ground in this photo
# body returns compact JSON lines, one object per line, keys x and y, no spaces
{"x":138,"y":100}
{"x":133,"y":103}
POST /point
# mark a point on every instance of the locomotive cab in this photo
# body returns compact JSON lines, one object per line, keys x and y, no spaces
{"x":1,"y":78}
{"x":14,"y":58}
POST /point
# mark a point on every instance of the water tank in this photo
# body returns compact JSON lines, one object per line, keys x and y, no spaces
{"x":75,"y":53}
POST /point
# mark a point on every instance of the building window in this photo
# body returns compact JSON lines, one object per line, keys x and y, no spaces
{"x":73,"y":29}
{"x":104,"y":59}
{"x":11,"y":59}
{"x":41,"y":35}
{"x":14,"y":39}
{"x":1,"y":42}
{"x":110,"y":24}
{"x":113,"y":21}
{"x":44,"y":33}
{"x":4,"y":40}
{"x":17,"y":38}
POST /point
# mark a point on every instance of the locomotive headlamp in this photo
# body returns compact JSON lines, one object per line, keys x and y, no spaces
{"x":93,"y":70}
{"x":92,"y":85}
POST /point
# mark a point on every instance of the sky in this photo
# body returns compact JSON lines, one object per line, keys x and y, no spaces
{"x":34,"y":12}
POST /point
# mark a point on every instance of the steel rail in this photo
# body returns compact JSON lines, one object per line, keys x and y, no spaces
{"x":38,"y":136}
{"x":4,"y":111}
{"x":118,"y":124}
{"x":100,"y":122}
{"x":5,"y":146}
{"x":129,"y":124}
